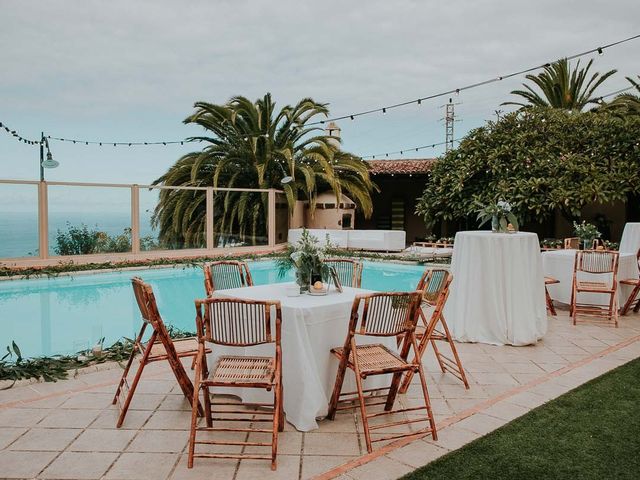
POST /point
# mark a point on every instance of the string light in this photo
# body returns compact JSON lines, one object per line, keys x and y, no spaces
{"x":19,"y":137}
{"x":457,"y":91}
{"x":401,"y":152}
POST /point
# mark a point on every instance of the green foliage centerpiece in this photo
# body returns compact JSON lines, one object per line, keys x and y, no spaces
{"x":587,"y":233}
{"x":307,"y":257}
{"x":502,"y":218}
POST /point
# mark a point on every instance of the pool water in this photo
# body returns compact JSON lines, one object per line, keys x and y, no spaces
{"x":67,"y":314}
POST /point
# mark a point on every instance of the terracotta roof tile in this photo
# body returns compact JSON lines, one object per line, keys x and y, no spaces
{"x":419,"y":166}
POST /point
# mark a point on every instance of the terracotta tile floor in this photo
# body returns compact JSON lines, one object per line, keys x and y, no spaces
{"x":67,"y":430}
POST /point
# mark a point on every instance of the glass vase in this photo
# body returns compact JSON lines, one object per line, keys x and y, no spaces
{"x":303,"y":280}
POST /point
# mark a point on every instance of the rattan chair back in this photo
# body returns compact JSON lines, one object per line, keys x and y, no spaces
{"x":385,"y":314}
{"x":349,"y":271}
{"x":238,"y":322}
{"x":433,"y":283}
{"x":597,"y":261}
{"x":226,"y":274}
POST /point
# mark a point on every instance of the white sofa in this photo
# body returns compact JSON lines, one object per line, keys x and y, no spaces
{"x":378,"y":240}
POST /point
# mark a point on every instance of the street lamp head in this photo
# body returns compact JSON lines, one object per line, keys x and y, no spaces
{"x":287,"y":179}
{"x":50,"y":162}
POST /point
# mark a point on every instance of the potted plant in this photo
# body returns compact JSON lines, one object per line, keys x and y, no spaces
{"x":587,"y":233}
{"x":307,"y":258}
{"x":502,"y":218}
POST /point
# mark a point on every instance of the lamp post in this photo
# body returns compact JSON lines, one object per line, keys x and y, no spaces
{"x":49,"y":162}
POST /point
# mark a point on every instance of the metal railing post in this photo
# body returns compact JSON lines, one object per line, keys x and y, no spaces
{"x":135,"y":219}
{"x":43,"y":220}
{"x":271,"y":217}
{"x":209,"y":219}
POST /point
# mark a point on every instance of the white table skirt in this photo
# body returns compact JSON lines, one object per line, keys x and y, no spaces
{"x":630,"y":242}
{"x":311,"y":326}
{"x":497,"y":293}
{"x":559,"y":265}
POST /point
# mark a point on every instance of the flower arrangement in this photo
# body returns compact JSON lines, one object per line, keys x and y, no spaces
{"x":501,"y":217}
{"x":307,"y":258}
{"x":586,"y":232}
{"x":552,"y":243}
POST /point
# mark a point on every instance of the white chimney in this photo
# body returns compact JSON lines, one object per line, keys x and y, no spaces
{"x":333,"y":130}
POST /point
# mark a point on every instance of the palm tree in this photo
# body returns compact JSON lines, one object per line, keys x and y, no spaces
{"x":562,"y":88}
{"x":626,"y":103}
{"x":253,"y":145}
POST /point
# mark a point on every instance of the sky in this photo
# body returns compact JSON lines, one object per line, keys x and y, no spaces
{"x":131,"y":71}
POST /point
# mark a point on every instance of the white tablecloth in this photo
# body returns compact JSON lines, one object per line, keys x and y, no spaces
{"x":311,"y":326}
{"x":497,"y":293}
{"x":630,"y":242}
{"x":559,"y":265}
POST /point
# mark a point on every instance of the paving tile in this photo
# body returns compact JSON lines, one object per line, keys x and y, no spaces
{"x":313,"y":465}
{"x":88,"y":400}
{"x":331,"y":444}
{"x":142,"y":466}
{"x":21,"y":417}
{"x":169,"y":420}
{"x":46,"y":439}
{"x":133,"y":421}
{"x":79,"y":465}
{"x":495,"y":379}
{"x":289,"y":443}
{"x":506,"y":410}
{"x":528,"y":399}
{"x":417,"y":454}
{"x":99,"y":440}
{"x":69,"y":418}
{"x":48,"y":402}
{"x":146,"y":401}
{"x":159,"y":441}
{"x":382,"y":468}
{"x":23,"y":464}
{"x":207,"y":469}
{"x":452,"y":438}
{"x":288,"y":468}
{"x":481,"y":423}
{"x":9,"y":434}
{"x":154,"y":386}
{"x":175,"y":402}
{"x":344,"y":422}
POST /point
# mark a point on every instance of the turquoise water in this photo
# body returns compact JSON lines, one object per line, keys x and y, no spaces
{"x":67,"y":314}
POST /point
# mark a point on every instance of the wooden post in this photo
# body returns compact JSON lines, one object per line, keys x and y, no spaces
{"x":135,"y":219}
{"x":43,"y":220}
{"x":209,"y":220}
{"x":271,"y":224}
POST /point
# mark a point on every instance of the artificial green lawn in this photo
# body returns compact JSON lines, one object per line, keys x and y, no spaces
{"x":592,"y":432}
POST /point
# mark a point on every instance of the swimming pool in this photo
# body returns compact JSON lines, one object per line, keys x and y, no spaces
{"x":67,"y":314}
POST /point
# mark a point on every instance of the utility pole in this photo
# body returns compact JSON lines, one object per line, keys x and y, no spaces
{"x":449,"y":120}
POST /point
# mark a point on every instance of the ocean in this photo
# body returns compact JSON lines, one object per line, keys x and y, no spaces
{"x":19,"y":230}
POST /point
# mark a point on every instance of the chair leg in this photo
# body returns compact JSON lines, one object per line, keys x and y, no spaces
{"x":207,"y":405}
{"x":335,"y":396}
{"x":193,"y":363}
{"x":281,"y":406}
{"x":427,"y":402}
{"x":630,"y":300}
{"x":277,"y":400}
{"x":194,"y":420}
{"x":393,"y":391}
{"x":454,"y":350}
{"x":550,"y":307}
{"x":363,"y":411}
{"x":132,"y":389}
{"x":408,"y":377}
{"x":437,"y":352}
{"x":123,"y":379}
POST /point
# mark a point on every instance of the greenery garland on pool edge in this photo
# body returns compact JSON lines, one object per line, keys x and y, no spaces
{"x":57,"y":367}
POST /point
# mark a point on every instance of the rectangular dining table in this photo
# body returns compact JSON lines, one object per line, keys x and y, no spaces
{"x":311,"y":326}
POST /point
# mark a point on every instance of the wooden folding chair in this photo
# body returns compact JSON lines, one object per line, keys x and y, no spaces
{"x":383,"y":315}
{"x":550,"y":307}
{"x":634,"y":298}
{"x":572,"y":242}
{"x":226,"y":274}
{"x":598,"y":263}
{"x":435,"y":287}
{"x":159,"y":347}
{"x":349,"y":271}
{"x":238,"y":323}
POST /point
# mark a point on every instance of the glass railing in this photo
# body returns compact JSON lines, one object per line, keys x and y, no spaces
{"x":52,"y":219}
